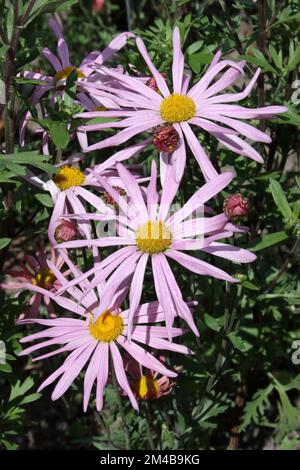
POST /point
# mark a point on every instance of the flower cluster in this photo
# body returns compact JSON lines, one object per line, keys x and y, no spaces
{"x":95,"y":299}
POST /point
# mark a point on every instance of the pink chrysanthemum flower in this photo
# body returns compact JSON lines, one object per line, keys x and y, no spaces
{"x":34,"y":270}
{"x":92,"y":341}
{"x":63,"y":67}
{"x":143,"y":109}
{"x":150,"y":232}
{"x":70,"y":187}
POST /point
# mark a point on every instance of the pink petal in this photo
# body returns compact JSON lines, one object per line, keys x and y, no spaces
{"x":144,"y":358}
{"x":160,"y":81}
{"x":178,"y":62}
{"x":198,"y":266}
{"x":206,"y":166}
{"x":120,"y":374}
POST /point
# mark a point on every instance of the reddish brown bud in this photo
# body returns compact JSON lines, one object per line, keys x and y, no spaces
{"x":235,"y":206}
{"x":166,"y":139}
{"x":98,"y":5}
{"x":151,"y":83}
{"x":109,"y":200}
{"x":65,"y":231}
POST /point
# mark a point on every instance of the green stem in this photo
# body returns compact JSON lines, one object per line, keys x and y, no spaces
{"x":225,"y":348}
{"x":148,"y":427}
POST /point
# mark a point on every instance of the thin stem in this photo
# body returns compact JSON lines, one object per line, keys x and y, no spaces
{"x":121,"y":409}
{"x":222,"y":357}
{"x":128,"y":14}
{"x":262,"y":48}
{"x":283,"y":267}
{"x":148,"y":427}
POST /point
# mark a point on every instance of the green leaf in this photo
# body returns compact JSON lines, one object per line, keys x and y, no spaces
{"x":265,"y":241}
{"x":9,"y":23}
{"x":59,"y":134}
{"x":237,"y":342}
{"x":294,"y":59}
{"x":211,"y":322}
{"x":4,"y":242}
{"x":44,"y":199}
{"x":249,"y":285}
{"x":277,"y":57}
{"x":5,"y":368}
{"x":19,"y":389}
{"x":280,"y":199}
{"x":194,"y":47}
{"x":49,"y":6}
{"x":29,"y":81}
{"x":259,"y":59}
{"x":195,"y":61}
{"x":29,"y":158}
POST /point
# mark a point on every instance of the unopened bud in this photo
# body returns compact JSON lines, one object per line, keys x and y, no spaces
{"x":65,"y":231}
{"x":235,"y":206}
{"x":166,"y":139}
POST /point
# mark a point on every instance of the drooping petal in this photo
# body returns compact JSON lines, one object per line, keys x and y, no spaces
{"x":198,"y":266}
{"x":144,"y":358}
{"x":120,"y":373}
{"x":233,"y":253}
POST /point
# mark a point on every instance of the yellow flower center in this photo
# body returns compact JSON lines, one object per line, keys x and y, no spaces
{"x":45,"y":279}
{"x":64,"y":73}
{"x":177,"y":108}
{"x":100,"y":108}
{"x":146,"y":387}
{"x":68,"y":176}
{"x":153,"y":237}
{"x":107,"y":328}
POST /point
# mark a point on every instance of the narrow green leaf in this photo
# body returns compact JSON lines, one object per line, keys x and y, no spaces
{"x":265,"y":241}
{"x":280,"y":199}
{"x":4,"y":242}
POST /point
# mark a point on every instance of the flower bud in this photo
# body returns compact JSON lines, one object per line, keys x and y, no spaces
{"x":235,"y":206}
{"x":65,"y":231}
{"x":166,"y":139}
{"x":98,"y":5}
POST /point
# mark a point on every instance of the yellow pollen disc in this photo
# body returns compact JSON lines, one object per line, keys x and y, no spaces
{"x":100,"y":108}
{"x":107,"y":328}
{"x":64,"y":73}
{"x":146,"y":387}
{"x":68,"y":176}
{"x":45,"y":278}
{"x":153,"y":237}
{"x":177,"y":108}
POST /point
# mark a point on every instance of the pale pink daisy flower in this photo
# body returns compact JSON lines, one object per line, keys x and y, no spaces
{"x":182,"y":107}
{"x":35,"y":270}
{"x":150,"y":232}
{"x":71,"y":187}
{"x":63,"y":67}
{"x":91,"y":341}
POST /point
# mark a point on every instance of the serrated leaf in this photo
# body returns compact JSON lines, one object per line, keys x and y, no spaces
{"x":19,"y":389}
